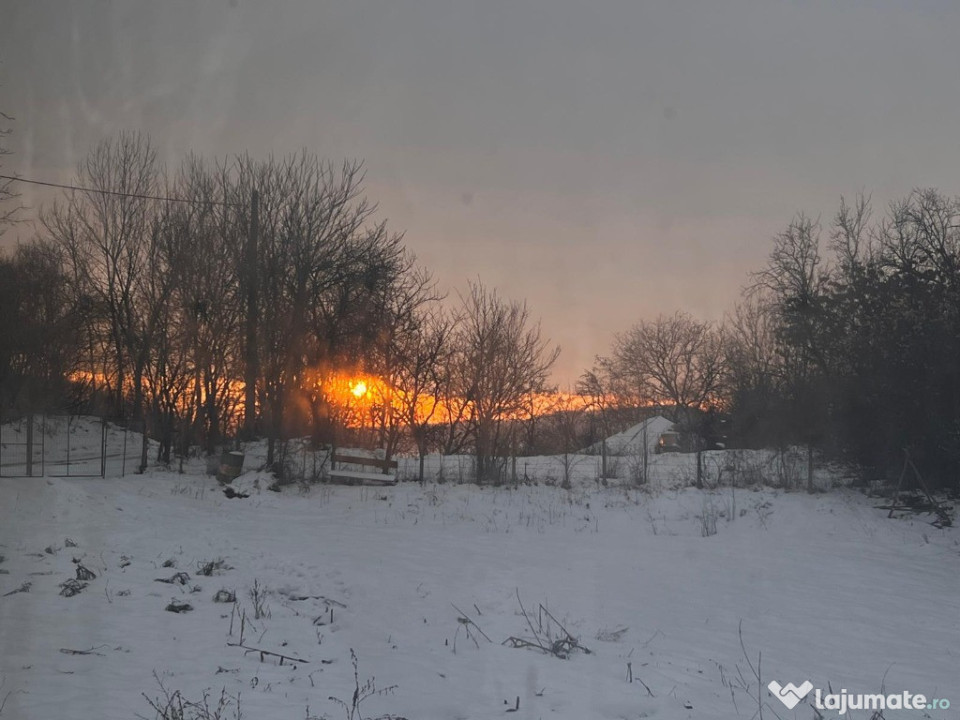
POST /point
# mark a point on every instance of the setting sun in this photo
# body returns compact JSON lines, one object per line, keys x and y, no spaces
{"x":360,"y":389}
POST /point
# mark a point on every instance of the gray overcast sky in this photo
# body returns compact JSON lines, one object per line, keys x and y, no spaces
{"x":607,"y":161}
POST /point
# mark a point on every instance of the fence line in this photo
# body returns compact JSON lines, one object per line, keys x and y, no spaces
{"x":62,"y":446}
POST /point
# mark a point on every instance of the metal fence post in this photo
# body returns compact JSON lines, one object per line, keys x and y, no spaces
{"x":103,"y":448}
{"x":69,"y":420}
{"x":30,"y":445}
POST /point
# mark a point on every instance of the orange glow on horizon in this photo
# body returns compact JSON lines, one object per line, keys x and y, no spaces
{"x":360,"y":397}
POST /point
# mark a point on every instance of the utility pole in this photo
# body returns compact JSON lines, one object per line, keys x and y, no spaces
{"x":250,"y":277}
{"x":646,"y":449}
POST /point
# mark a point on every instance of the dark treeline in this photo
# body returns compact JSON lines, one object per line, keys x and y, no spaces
{"x":848,"y":342}
{"x":161,"y":298}
{"x":869,"y":341}
{"x":155,"y":297}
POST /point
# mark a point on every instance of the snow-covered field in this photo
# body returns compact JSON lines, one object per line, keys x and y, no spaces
{"x":824,"y":587}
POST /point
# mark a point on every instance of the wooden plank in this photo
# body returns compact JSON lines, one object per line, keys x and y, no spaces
{"x":364,"y":478}
{"x":358,"y":460}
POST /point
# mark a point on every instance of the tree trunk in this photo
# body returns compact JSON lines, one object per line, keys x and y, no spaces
{"x":213,"y":418}
{"x":251,"y":358}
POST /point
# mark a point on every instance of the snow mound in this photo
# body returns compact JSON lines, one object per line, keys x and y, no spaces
{"x":631,"y":440}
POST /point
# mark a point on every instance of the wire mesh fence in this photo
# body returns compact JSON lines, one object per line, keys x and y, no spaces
{"x":21,"y":447}
{"x":72,"y":446}
{"x":301,"y":462}
{"x":67,"y":446}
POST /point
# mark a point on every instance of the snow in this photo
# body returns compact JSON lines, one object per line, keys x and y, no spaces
{"x":824,"y":587}
{"x":631,"y":440}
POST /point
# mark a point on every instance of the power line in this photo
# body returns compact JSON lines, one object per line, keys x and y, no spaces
{"x":117,"y":192}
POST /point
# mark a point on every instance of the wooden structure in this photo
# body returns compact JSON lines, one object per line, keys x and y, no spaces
{"x":362,"y":477}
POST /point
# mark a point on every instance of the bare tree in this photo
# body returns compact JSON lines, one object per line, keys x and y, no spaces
{"x":8,"y":209}
{"x":206,"y":297}
{"x":673,"y":361}
{"x":300,"y":214}
{"x":922,"y":239}
{"x":603,"y":394}
{"x":757,"y":364}
{"x":566,"y":423}
{"x":851,"y":238}
{"x":106,"y":236}
{"x":796,"y":279}
{"x":424,"y":355}
{"x":600,"y":392}
{"x":167,"y":369}
{"x":39,"y":326}
{"x":754,"y":356}
{"x":502,"y":359}
{"x":457,"y":427}
{"x":360,"y":313}
{"x":323,"y":271}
